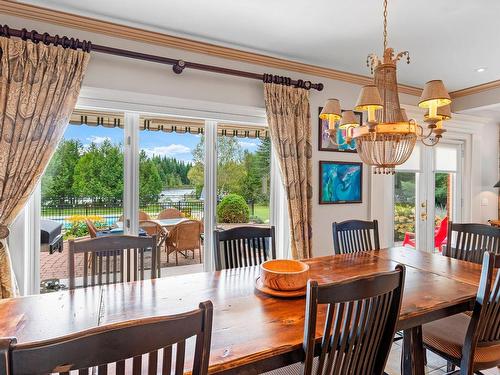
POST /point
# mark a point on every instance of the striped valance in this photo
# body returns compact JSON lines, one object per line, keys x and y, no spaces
{"x":167,"y":124}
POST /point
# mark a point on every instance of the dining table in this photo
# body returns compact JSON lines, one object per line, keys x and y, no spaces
{"x":252,"y":331}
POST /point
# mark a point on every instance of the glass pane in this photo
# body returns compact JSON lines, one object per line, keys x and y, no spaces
{"x":404,"y":208}
{"x":84,"y":180}
{"x":413,"y":162}
{"x":243,"y":180}
{"x":445,"y":201}
{"x":171,"y":178}
{"x":446,"y":158}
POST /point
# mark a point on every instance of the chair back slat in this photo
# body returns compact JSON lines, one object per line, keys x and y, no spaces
{"x":243,"y":247}
{"x":110,"y":347}
{"x":469,"y":242}
{"x":359,"y":325}
{"x":103,"y":260}
{"x":354,"y":236}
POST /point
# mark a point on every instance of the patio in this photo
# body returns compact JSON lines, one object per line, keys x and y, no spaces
{"x":56,"y":266}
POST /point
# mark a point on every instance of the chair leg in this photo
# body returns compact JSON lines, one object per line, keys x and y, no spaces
{"x":199,"y":250}
{"x":176,"y":258}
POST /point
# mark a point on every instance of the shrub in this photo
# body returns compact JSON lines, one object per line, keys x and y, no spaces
{"x":233,"y":209}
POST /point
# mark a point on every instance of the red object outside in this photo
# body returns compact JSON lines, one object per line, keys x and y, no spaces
{"x":440,"y":235}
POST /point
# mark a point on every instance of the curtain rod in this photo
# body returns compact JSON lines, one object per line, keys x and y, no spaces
{"x":177,"y":65}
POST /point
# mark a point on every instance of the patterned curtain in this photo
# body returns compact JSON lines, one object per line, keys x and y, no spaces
{"x":288,"y":117}
{"x":39,"y":86}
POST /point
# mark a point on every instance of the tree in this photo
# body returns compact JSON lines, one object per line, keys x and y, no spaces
{"x":58,"y":178}
{"x":230,"y":169}
{"x":150,"y":183}
{"x":99,"y":171}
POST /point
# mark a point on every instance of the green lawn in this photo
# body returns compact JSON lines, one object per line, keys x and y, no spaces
{"x":262,"y":212}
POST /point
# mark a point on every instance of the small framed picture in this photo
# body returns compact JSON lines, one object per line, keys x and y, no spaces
{"x":340,"y":182}
{"x":324,"y":142}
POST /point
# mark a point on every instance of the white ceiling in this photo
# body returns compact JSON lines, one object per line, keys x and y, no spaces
{"x":447,"y":39}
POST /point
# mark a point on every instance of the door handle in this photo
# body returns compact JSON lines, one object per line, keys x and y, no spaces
{"x":423,"y":213}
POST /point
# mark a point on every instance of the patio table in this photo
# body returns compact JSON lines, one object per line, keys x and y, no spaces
{"x":252,"y":332}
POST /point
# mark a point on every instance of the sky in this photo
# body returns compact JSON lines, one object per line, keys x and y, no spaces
{"x":179,"y":146}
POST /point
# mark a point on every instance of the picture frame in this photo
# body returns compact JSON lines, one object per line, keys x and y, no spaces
{"x":324,"y":143}
{"x":340,"y":182}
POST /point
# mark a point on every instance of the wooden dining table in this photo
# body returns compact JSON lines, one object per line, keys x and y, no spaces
{"x":252,"y":332}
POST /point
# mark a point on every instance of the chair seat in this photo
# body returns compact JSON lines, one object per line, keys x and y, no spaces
{"x":447,"y":336}
{"x":295,"y":369}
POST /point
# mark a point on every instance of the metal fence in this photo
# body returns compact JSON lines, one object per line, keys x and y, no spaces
{"x":67,"y":210}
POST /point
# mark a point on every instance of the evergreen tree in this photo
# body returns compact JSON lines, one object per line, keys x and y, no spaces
{"x":58,"y":178}
{"x":99,"y":171}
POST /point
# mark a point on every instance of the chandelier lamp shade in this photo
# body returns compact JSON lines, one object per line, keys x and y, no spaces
{"x":388,"y":137}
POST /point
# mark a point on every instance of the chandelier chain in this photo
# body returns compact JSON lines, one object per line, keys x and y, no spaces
{"x":385,"y":25}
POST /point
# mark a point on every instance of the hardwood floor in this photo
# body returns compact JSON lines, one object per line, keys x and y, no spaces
{"x":435,"y":364}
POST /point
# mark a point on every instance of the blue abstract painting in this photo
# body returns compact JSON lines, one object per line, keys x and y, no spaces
{"x":340,"y":182}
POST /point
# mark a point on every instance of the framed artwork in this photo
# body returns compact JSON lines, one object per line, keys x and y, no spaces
{"x":324,"y":142}
{"x":340,"y":182}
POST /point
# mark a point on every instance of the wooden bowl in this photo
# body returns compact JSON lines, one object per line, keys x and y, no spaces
{"x":284,"y":274}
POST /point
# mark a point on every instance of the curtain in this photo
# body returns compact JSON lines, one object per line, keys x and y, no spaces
{"x":39,"y":86}
{"x":288,"y":117}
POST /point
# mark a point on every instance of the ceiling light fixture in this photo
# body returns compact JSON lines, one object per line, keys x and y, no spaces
{"x":387,"y":138}
{"x":481,"y":69}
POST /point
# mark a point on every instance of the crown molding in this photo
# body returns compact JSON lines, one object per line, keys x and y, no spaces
{"x":126,"y":32}
{"x":475,"y":89}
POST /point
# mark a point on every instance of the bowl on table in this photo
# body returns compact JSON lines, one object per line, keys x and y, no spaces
{"x":284,"y":275}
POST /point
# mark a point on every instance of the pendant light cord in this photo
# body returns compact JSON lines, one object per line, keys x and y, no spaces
{"x":385,"y":25}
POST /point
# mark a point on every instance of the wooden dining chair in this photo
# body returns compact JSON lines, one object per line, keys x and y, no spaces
{"x":170,"y":213}
{"x":184,"y":237}
{"x":470,"y":241}
{"x":360,"y":322}
{"x":150,"y":345}
{"x":471,"y":341}
{"x":353,"y":236}
{"x":243,"y":246}
{"x":102,"y":260}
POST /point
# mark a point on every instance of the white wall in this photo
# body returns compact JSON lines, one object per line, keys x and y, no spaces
{"x":142,"y":77}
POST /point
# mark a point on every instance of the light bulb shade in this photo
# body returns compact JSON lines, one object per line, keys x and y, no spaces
{"x":434,"y":94}
{"x":331,"y":110}
{"x":348,"y":120}
{"x":369,"y":97}
{"x":443,"y":113}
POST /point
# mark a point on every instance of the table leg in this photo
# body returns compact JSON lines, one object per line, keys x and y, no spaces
{"x":413,"y":352}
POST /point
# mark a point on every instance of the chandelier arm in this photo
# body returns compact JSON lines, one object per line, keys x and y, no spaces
{"x":432,"y":143}
{"x":421,"y":132}
{"x":334,"y":139}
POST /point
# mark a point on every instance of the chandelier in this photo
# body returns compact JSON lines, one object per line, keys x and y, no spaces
{"x":388,"y":137}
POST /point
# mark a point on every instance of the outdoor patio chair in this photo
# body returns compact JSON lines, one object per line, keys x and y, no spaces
{"x":170,"y":213}
{"x":440,"y":235}
{"x":142,"y":216}
{"x":184,"y":237}
{"x":152,"y":228}
{"x":101,"y":260}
